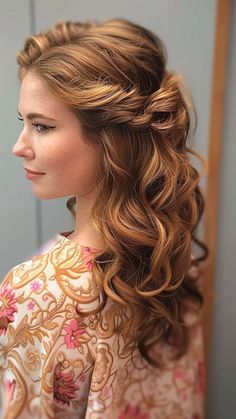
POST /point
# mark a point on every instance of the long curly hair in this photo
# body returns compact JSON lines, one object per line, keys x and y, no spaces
{"x":113,"y":75}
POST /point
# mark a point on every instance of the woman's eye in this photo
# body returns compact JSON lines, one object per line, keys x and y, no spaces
{"x":42,"y":128}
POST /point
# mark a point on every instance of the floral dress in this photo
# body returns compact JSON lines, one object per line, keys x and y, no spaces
{"x":56,"y":363}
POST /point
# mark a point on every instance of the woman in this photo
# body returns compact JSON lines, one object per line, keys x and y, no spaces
{"x":105,"y":321}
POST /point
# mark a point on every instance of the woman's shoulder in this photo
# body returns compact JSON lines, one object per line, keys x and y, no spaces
{"x":57,"y":252}
{"x":59,"y":268}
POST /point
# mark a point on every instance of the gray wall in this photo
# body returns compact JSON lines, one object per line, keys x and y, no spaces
{"x":17,"y":206}
{"x":187,"y":28}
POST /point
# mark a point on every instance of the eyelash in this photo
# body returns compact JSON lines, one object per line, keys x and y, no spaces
{"x":36,"y":124}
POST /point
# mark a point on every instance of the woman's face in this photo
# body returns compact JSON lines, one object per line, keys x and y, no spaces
{"x":55,"y":146}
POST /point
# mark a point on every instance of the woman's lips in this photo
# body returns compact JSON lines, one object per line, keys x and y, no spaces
{"x":34,"y":173}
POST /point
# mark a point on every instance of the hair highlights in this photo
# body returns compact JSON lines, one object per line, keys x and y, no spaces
{"x":113,"y":76}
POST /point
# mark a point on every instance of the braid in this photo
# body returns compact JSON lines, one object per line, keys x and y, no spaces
{"x":165,"y":110}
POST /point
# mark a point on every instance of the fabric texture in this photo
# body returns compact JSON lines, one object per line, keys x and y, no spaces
{"x":57,"y":363}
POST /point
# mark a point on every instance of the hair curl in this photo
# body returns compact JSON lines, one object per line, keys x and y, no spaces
{"x":113,"y":76}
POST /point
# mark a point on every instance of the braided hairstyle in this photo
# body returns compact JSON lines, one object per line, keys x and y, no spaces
{"x":113,"y":75}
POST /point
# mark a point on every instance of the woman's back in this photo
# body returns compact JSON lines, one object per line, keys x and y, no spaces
{"x":57,"y":360}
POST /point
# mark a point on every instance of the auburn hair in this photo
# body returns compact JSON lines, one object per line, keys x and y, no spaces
{"x":113,"y":75}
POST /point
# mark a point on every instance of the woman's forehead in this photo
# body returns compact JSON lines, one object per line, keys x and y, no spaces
{"x":36,"y":98}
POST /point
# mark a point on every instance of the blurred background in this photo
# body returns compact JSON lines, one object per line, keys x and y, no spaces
{"x":200,"y":38}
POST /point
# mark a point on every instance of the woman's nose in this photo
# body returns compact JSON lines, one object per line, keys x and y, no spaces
{"x":22,"y":147}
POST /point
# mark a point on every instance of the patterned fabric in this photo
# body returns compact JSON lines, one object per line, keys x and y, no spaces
{"x":57,"y":363}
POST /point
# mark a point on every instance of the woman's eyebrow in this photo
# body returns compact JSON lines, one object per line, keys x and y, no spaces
{"x":36,"y":115}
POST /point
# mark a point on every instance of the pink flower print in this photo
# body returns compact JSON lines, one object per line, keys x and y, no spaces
{"x":36,"y":285}
{"x":30,"y":305}
{"x":10,"y":387}
{"x":64,"y":387}
{"x":133,"y":412}
{"x":106,"y":392}
{"x":73,"y":333}
{"x":89,"y":265}
{"x":201,"y":377}
{"x":178,"y":373}
{"x":184,"y":396}
{"x":82,"y":377}
{"x":87,"y":257}
{"x":7,"y":307}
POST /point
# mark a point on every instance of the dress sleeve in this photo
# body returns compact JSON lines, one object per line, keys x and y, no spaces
{"x":46,"y":363}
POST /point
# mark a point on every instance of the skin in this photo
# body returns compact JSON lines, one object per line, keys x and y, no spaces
{"x":68,"y":161}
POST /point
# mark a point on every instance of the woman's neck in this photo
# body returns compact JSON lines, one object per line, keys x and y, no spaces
{"x":84,"y":232}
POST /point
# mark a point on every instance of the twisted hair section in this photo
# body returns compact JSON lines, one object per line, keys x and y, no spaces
{"x":149,"y":204}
